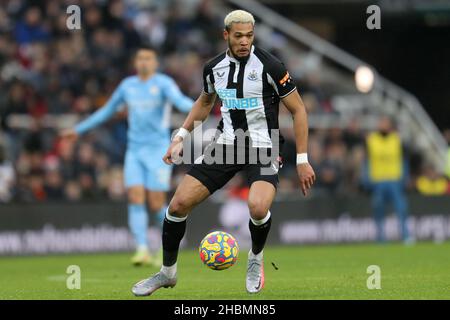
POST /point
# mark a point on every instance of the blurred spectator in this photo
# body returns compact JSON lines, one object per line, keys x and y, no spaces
{"x":353,"y":136}
{"x":65,"y":150}
{"x":53,"y":185}
{"x":15,"y":103}
{"x":329,"y":170}
{"x":431,"y":183}
{"x":72,"y":191}
{"x":31,"y":28}
{"x":87,"y":185}
{"x":85,"y":160}
{"x":7,"y":177}
{"x":36,"y":184}
{"x":86,"y":173}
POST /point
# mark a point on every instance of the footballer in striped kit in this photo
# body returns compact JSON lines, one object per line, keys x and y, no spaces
{"x":250,"y":83}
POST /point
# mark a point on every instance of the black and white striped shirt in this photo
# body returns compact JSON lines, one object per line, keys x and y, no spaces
{"x":250,"y":92}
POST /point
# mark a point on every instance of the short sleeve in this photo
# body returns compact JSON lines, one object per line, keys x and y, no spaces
{"x":280,"y":79}
{"x":208,"y":80}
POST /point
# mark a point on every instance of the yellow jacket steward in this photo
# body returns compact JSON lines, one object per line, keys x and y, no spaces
{"x":385,"y":157}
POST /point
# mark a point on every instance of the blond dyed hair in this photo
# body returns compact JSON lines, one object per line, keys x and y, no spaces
{"x":238,"y":16}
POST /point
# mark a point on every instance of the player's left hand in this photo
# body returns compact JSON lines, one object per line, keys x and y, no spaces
{"x":307,"y":177}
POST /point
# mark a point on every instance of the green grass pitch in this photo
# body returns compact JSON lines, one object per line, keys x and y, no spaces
{"x":421,"y":271}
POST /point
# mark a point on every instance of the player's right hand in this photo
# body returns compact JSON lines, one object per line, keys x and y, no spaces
{"x":307,"y":177}
{"x":175,"y":151}
{"x":69,"y":134}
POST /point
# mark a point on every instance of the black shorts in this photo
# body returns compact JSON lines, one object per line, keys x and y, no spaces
{"x":214,"y":175}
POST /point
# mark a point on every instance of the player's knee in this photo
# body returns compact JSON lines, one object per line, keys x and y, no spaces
{"x":136,"y":196}
{"x":258,"y":209}
{"x":179,"y":207}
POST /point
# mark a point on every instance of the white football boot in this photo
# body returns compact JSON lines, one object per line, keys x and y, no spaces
{"x":147,"y":286}
{"x":255,"y":273}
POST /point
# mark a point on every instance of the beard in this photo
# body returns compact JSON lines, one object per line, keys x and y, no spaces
{"x":235,"y":55}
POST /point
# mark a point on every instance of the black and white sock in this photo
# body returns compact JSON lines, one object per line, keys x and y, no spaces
{"x":259,"y":229}
{"x":173,"y":232}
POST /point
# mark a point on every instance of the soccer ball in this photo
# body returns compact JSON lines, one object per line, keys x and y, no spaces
{"x":218,"y":250}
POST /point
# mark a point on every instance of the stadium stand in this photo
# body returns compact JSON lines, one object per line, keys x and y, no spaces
{"x":50,"y":78}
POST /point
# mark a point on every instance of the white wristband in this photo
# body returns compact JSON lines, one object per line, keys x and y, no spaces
{"x":302,"y":158}
{"x":182,"y":132}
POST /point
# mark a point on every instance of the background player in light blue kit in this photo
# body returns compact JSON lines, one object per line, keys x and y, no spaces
{"x":148,"y":97}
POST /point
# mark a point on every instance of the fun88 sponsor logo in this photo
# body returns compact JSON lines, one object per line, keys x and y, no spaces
{"x":229,"y":100}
